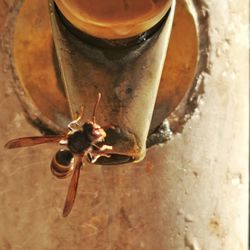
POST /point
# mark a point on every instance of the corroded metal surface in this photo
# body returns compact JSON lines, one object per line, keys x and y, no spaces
{"x":33,"y":46}
{"x":36,"y":65}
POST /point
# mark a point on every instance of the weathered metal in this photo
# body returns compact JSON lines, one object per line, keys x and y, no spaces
{"x":128,"y":76}
{"x":45,"y":100}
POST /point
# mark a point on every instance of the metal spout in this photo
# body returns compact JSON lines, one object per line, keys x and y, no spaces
{"x":127,"y":73}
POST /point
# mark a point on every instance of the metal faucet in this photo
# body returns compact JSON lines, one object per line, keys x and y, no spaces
{"x":125,"y":71}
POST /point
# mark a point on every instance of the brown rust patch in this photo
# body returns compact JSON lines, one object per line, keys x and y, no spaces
{"x":215,"y":226}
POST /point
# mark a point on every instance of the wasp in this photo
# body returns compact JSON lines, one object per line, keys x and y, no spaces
{"x":84,"y":141}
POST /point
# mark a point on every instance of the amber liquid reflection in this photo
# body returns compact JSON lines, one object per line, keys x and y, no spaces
{"x":113,"y":19}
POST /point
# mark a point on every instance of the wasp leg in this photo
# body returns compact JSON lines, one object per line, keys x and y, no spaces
{"x":94,"y":157}
{"x":103,"y":147}
{"x":63,"y":142}
{"x":74,"y":125}
{"x":99,"y":151}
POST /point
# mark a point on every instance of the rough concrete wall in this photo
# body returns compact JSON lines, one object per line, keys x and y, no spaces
{"x":191,"y":193}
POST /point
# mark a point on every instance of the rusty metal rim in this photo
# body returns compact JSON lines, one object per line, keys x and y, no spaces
{"x":32,"y":113}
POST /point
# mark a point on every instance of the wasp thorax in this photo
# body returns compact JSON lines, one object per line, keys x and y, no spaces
{"x":62,"y":163}
{"x":78,"y":142}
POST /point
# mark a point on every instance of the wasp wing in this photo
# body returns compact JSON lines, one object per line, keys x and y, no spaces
{"x":71,"y":195}
{"x":33,"y":140}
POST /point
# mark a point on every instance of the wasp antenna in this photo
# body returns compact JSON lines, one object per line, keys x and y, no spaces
{"x":96,"y":104}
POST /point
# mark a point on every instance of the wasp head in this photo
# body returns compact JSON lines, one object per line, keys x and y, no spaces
{"x":94,"y":131}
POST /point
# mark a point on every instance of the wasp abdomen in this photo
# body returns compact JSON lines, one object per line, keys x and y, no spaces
{"x":62,"y":163}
